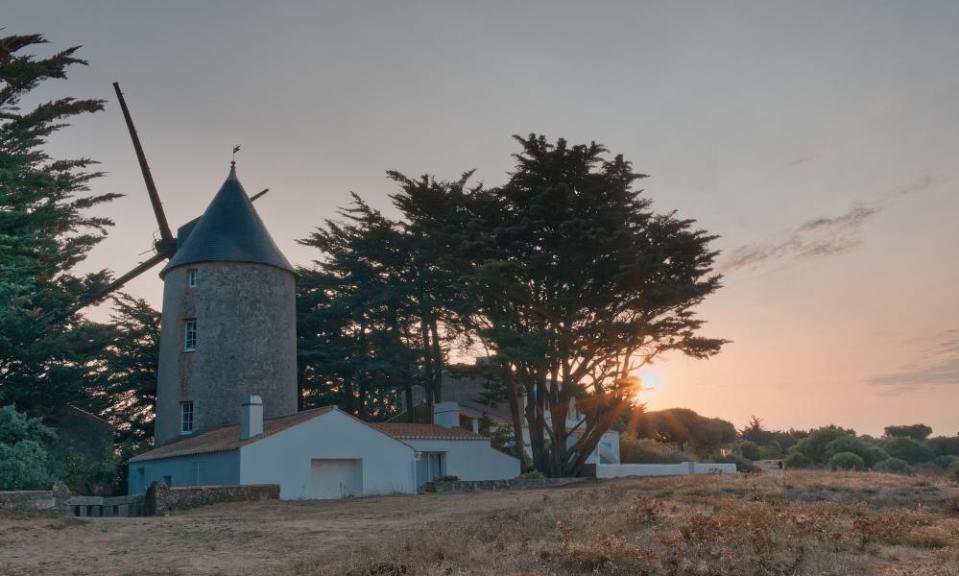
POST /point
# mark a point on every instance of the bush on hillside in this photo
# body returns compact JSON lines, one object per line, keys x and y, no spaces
{"x":797,"y":460}
{"x":771,"y":451}
{"x":750,"y":450}
{"x":873,"y":455}
{"x":944,"y":445}
{"x":945,"y":462}
{"x":844,"y":443}
{"x":907,"y":449}
{"x":953,"y":470}
{"x":892,"y":466}
{"x":813,"y":446}
{"x":742,"y":464}
{"x":846,"y":461}
{"x":647,"y":451}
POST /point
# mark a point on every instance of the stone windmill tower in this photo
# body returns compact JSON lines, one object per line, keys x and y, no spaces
{"x":228,"y":325}
{"x":228,"y":329}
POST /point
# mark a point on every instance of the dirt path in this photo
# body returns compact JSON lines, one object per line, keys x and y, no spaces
{"x":232,"y":539}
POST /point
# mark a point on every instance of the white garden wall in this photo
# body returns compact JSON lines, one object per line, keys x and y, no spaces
{"x":682,"y":469}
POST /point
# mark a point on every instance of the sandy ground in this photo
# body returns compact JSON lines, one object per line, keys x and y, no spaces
{"x":233,"y":539}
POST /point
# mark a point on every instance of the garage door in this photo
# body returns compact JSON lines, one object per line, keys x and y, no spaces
{"x":337,"y":478}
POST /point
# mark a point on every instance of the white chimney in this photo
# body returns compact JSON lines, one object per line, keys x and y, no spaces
{"x":251,"y":418}
{"x":446,"y":414}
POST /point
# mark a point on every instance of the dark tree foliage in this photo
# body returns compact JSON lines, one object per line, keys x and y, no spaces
{"x":579,"y":285}
{"x":944,"y":445}
{"x":125,"y":393}
{"x":47,"y":352}
{"x":918,"y":432}
{"x":355,"y":333}
{"x":563,"y":274}
{"x":687,"y":430}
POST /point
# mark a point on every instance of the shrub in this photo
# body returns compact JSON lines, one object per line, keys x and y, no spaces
{"x":750,"y":450}
{"x":23,"y":466}
{"x":24,"y":463}
{"x":907,"y":449}
{"x":742,"y":464}
{"x":797,"y":460}
{"x":892,"y":466}
{"x":944,"y":445}
{"x":771,"y":451}
{"x":531,"y":475}
{"x":813,"y":446}
{"x":844,"y":443}
{"x":647,"y":451}
{"x":874,"y":455}
{"x":846,"y":461}
{"x":945,"y":462}
{"x":953,"y":470}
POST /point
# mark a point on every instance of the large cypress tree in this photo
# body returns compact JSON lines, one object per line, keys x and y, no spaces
{"x":574,"y":284}
{"x":48,"y":353}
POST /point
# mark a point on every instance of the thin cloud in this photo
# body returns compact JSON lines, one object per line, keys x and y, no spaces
{"x":938,"y":366}
{"x":801,"y":160}
{"x":817,"y":237}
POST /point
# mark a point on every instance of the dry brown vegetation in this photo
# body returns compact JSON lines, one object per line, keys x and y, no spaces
{"x":796,"y":523}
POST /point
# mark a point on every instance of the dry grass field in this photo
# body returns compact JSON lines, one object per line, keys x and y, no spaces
{"x":794,"y":523}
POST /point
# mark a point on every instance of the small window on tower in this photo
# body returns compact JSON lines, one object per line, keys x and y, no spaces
{"x":186,"y":417}
{"x":191,"y":277}
{"x":189,"y":335}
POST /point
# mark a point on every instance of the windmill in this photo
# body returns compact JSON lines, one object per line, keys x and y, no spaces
{"x":165,"y":247}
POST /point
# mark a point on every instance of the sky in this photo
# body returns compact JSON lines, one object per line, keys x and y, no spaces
{"x":818,"y":139}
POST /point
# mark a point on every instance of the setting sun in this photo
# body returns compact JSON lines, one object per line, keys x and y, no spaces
{"x":650,"y":382}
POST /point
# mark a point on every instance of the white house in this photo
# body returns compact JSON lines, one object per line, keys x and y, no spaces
{"x":322,"y":453}
{"x":467,"y":393}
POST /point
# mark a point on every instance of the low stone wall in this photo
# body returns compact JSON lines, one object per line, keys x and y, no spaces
{"x":28,"y":502}
{"x":161,"y":500}
{"x":512,"y":484}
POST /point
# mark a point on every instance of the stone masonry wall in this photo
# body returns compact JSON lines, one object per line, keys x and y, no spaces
{"x":482,"y":485}
{"x":161,"y":500}
{"x":28,"y":502}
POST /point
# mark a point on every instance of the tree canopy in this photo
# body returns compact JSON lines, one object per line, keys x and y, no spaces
{"x":47,"y":350}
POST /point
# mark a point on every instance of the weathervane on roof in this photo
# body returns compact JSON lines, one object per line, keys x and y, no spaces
{"x":235,"y":150}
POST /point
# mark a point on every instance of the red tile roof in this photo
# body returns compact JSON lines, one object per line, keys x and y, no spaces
{"x":227,"y":437}
{"x":405,"y":431}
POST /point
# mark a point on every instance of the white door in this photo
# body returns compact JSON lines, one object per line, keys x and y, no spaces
{"x":337,"y":478}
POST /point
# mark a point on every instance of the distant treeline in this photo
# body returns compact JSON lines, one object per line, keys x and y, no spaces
{"x":679,"y":434}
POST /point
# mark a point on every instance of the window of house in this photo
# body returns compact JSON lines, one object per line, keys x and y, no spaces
{"x":168,"y":480}
{"x":186,"y":417}
{"x":191,"y":277}
{"x":189,"y":335}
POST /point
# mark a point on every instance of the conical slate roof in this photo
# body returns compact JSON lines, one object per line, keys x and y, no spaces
{"x":229,"y":231}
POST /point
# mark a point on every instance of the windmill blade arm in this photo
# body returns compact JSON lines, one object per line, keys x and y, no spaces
{"x":119,"y":282}
{"x":165,"y":234}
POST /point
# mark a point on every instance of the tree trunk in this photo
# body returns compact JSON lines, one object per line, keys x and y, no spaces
{"x":512,"y":393}
{"x":427,"y":369}
{"x":437,"y":363}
